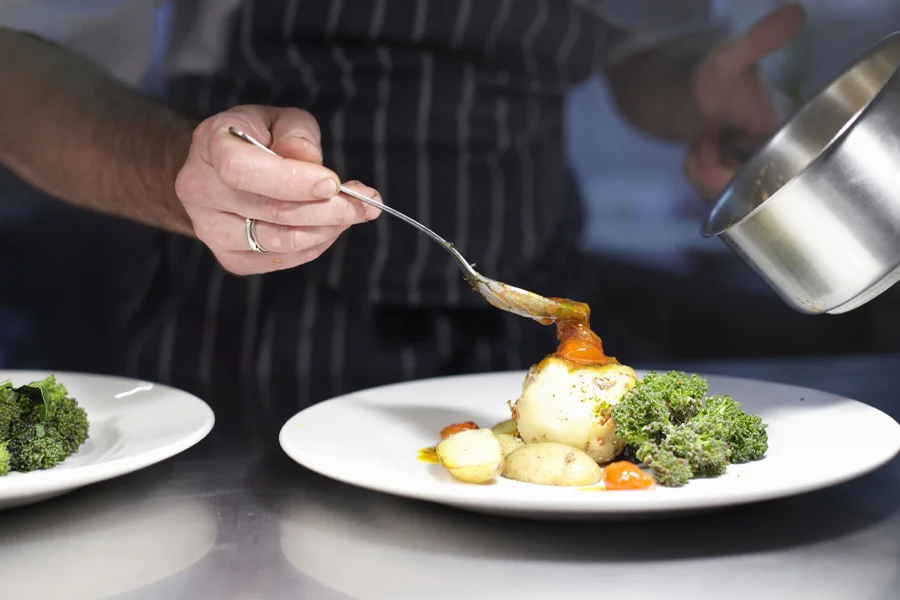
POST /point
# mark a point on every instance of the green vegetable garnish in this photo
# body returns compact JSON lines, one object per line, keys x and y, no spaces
{"x":671,"y":426}
{"x":4,"y":459}
{"x":744,"y":433}
{"x":40,"y":426}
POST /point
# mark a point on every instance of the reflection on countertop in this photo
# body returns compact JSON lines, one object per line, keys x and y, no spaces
{"x":373,"y":547}
{"x":99,"y":543}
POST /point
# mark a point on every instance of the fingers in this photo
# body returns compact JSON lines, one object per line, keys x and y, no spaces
{"x":767,"y":35}
{"x":252,"y":263}
{"x":279,"y":239}
{"x":731,"y":94}
{"x":728,"y":74}
{"x":194,"y":188}
{"x":370,"y":211}
{"x":226,"y":236}
{"x":293,"y":198}
{"x":255,"y":121}
{"x":336,"y":211}
{"x":244,"y":167}
{"x":296,"y":135}
{"x":704,"y":168}
{"x":227,"y":232}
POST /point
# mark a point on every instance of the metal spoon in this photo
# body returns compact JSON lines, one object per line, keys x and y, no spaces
{"x":498,"y":294}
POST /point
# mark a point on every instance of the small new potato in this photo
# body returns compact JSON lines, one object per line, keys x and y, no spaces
{"x":508,"y":443}
{"x":550,"y":463}
{"x":507,"y":427}
{"x":473,"y":455}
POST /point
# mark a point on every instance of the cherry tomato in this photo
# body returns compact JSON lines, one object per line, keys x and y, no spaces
{"x":623,"y":475}
{"x":456,"y":428}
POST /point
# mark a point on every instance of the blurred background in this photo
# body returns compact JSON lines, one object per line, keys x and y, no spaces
{"x":659,"y":290}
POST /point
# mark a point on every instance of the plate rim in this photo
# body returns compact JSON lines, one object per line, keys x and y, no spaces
{"x":39,"y":482}
{"x":497,"y":504}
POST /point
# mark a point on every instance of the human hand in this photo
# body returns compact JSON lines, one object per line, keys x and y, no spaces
{"x":733,"y":98}
{"x":292,"y":196}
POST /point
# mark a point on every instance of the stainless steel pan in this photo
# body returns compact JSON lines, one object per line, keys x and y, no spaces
{"x":816,"y":211}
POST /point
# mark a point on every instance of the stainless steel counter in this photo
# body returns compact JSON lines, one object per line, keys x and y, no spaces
{"x":234,"y":518}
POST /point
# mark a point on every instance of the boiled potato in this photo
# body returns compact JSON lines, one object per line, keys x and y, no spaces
{"x":508,"y":443}
{"x":551,"y":464}
{"x":570,"y":404}
{"x":507,"y":427}
{"x":473,"y":455}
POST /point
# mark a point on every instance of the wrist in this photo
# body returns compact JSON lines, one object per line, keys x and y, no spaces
{"x":171,"y":134}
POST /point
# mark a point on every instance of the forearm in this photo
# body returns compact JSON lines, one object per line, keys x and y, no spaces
{"x":74,"y":132}
{"x":653,"y":90}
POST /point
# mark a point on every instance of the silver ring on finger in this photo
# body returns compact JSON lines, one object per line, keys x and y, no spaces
{"x":250,"y":227}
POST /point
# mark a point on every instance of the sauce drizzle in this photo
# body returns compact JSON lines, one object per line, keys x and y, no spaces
{"x":577,"y":342}
{"x":429,"y":455}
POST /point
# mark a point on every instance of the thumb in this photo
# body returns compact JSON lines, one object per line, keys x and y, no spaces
{"x":767,"y":35}
{"x":296,"y":135}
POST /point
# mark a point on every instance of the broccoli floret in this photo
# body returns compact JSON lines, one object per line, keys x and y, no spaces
{"x":11,"y":408}
{"x":666,"y":424}
{"x":682,"y":393}
{"x":641,"y":415}
{"x":724,"y":418}
{"x":66,"y":419}
{"x":674,"y":397}
{"x":4,"y":459}
{"x":31,"y":450}
{"x":46,"y":428}
{"x":71,"y":423}
{"x":707,"y":455}
{"x":668,"y":469}
{"x":685,"y":395}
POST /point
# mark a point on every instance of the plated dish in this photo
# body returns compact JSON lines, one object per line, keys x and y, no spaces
{"x":583,"y":418}
{"x":539,"y":444}
{"x":371,"y":439}
{"x":64,"y":431}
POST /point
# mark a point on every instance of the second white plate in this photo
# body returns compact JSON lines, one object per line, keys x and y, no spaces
{"x":371,"y":439}
{"x":133,"y":424}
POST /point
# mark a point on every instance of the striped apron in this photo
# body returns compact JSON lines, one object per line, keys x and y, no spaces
{"x":453,"y":110}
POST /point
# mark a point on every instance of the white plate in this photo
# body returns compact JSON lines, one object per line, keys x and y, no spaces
{"x":134,"y":424}
{"x":371,"y":439}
